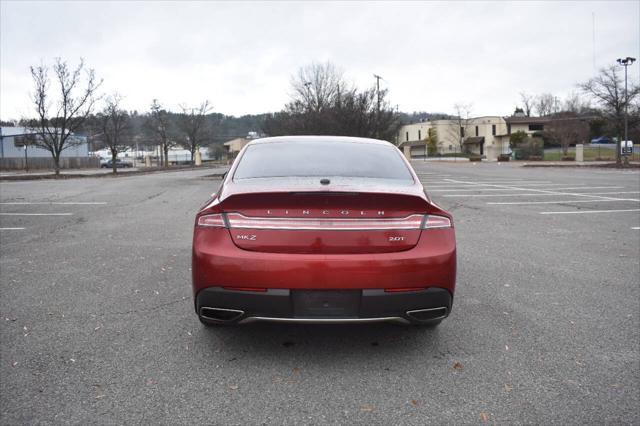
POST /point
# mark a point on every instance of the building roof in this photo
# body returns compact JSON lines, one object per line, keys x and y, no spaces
{"x":473,"y":140}
{"x":15,"y":131}
{"x":228,"y":143}
{"x":413,"y":143}
{"x":527,"y":120}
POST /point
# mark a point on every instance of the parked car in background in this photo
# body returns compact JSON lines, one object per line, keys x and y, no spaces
{"x":602,"y":140}
{"x":321,"y":229}
{"x":119,"y":163}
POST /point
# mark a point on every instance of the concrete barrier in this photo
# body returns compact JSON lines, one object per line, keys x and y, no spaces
{"x":579,"y":153}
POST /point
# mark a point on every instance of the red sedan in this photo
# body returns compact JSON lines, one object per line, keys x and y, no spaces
{"x":326,"y":230}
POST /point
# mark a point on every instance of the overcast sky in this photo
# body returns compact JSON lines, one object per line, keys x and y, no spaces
{"x":240,"y":56}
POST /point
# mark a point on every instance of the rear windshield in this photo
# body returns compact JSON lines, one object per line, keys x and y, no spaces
{"x":346,"y":159}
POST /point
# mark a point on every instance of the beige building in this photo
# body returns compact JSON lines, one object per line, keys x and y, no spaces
{"x":522,"y":123}
{"x":479,"y":136}
{"x":234,"y":146}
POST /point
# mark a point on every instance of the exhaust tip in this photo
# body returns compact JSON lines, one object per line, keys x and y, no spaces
{"x":429,"y":314}
{"x":220,"y":314}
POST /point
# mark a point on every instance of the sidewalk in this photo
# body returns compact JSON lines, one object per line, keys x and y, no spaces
{"x":603,"y":164}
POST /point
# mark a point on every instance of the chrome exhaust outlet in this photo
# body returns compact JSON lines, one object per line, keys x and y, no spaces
{"x":431,"y":314}
{"x":220,"y":314}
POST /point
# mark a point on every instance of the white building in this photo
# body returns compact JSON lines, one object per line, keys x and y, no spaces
{"x":479,"y":135}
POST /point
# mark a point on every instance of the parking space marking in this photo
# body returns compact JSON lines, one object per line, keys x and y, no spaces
{"x":479,"y":189}
{"x":538,"y":194}
{"x":635,"y":227}
{"x":592,"y":211}
{"x":444,"y":185}
{"x":546,"y":191}
{"x":531,"y":194}
{"x":11,"y":229}
{"x":53,"y":203}
{"x":36,"y":214}
{"x":517,"y":203}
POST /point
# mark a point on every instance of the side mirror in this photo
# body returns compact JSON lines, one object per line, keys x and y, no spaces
{"x":224,"y":175}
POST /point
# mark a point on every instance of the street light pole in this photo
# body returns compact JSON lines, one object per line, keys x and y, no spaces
{"x":625,"y":63}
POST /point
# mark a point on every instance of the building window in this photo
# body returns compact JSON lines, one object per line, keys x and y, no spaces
{"x":476,"y":130}
{"x":493,"y":129}
{"x":508,"y":128}
{"x":462,"y":131}
{"x":450,"y":147}
{"x":419,"y":135}
{"x":536,"y":127}
{"x":407,"y":136}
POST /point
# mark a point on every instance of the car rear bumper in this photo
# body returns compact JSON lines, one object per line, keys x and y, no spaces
{"x":219,"y":305}
{"x":218,"y":262}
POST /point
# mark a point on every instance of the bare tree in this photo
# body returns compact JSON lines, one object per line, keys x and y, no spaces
{"x":114,"y":127}
{"x":192,"y":123}
{"x":318,"y":86}
{"x":575,"y":103}
{"x":159,"y":124}
{"x":568,"y":129}
{"x":323,"y":103}
{"x":544,"y":104}
{"x":76,"y":97}
{"x":607,"y":90}
{"x":458,"y":128}
{"x":527,"y":102}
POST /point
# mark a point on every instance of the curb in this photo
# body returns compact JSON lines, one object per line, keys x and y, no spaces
{"x":63,"y":176}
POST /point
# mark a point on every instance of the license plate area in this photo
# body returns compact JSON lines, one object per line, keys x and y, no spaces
{"x":326,"y":303}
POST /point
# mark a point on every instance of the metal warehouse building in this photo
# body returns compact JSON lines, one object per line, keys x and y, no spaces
{"x":17,"y":153}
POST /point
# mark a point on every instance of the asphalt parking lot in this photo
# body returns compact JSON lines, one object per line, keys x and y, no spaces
{"x":97,"y":321}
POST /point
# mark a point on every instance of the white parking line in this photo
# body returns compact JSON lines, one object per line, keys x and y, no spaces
{"x":635,"y":227}
{"x":24,"y":203}
{"x":592,"y":211}
{"x":11,"y":229}
{"x":36,"y":214}
{"x":546,"y":191}
{"x":536,"y":194}
{"x":478,"y":188}
{"x":452,"y":186}
{"x":517,"y":203}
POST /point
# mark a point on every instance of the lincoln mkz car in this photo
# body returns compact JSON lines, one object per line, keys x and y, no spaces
{"x":323,"y":230}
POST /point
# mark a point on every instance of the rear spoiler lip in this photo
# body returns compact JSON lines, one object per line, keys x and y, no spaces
{"x":231,"y":189}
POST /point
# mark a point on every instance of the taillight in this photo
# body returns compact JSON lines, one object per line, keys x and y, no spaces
{"x":212,"y":220}
{"x":433,"y":221}
{"x":239,"y":221}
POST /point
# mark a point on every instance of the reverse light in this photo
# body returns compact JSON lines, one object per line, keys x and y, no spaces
{"x":433,"y":221}
{"x":212,"y":220}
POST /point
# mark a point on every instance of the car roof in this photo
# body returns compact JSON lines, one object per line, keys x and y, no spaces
{"x":299,"y":139}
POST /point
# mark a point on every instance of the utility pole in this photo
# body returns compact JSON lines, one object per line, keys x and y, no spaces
{"x":625,"y":63}
{"x":377,"y":77}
